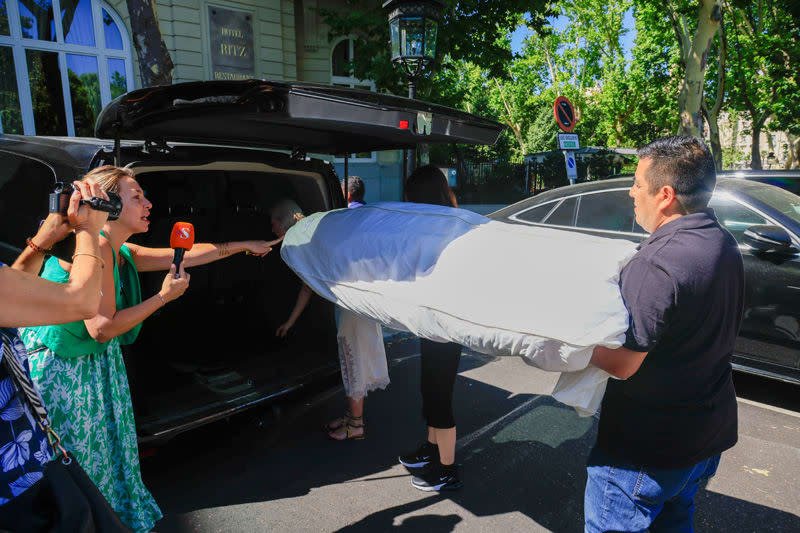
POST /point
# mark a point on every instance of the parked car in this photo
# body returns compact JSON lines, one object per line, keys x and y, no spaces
{"x":764,"y":219}
{"x":785,"y":179}
{"x":202,"y":152}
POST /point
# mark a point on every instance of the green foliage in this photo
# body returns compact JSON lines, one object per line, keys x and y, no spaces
{"x":46,"y":93}
{"x":472,"y":30}
{"x":86,"y":103}
{"x":10,"y":114}
{"x":620,"y":101}
{"x":119,"y":85}
{"x":4,"y":27}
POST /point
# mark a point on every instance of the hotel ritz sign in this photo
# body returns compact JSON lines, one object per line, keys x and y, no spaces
{"x":231,"y":44}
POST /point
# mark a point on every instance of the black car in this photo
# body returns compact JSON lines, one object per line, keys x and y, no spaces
{"x":204,"y":153}
{"x":785,"y":179}
{"x":765,"y":220}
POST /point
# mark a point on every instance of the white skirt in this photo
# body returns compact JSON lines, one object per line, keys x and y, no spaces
{"x":362,"y":356}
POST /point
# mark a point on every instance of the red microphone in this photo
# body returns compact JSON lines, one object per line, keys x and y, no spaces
{"x":181,"y":240}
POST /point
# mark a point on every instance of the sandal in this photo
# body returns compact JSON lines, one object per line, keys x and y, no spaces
{"x":348,"y":433}
{"x":336,"y":423}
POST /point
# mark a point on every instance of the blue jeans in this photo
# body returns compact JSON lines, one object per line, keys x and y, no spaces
{"x":622,"y":497}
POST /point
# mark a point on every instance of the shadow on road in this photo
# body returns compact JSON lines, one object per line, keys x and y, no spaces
{"x":532,"y":463}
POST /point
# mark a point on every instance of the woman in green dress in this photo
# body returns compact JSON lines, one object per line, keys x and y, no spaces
{"x":78,"y":367}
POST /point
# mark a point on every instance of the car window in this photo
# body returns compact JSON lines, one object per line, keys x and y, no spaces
{"x":24,"y":188}
{"x":610,"y":211}
{"x":785,"y":202}
{"x":790,"y":184}
{"x":537,"y":213}
{"x":563,"y":214}
{"x":735,"y":217}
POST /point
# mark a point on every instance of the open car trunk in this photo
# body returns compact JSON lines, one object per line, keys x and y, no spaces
{"x":214,"y":350}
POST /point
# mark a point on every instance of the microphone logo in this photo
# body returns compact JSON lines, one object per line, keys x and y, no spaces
{"x":182,"y":236}
{"x":181,"y":240}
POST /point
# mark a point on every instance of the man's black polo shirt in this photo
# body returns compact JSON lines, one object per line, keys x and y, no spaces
{"x":684,"y":291}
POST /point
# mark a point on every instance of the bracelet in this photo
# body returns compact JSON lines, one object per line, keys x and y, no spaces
{"x":102,"y":263}
{"x":163,"y":301}
{"x":38,"y":249}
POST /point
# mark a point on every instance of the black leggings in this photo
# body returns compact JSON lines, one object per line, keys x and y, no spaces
{"x":438,"y":373}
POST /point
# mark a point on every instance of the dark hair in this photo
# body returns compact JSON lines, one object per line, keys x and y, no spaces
{"x":684,"y":163}
{"x":428,"y":185}
{"x":355,"y":188}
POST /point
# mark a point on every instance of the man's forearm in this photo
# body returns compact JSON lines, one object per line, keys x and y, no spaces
{"x":620,"y":362}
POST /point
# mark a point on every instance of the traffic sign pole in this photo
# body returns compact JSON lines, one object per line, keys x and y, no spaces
{"x":564,"y":114}
{"x":572,"y":166}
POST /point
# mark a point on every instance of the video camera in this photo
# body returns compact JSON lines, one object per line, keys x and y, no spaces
{"x":59,"y":201}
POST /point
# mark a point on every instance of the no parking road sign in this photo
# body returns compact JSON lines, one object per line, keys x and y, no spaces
{"x":564,"y":113}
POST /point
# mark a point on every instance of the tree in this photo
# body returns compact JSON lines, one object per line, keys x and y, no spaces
{"x":155,"y":62}
{"x":717,"y":89}
{"x":763,"y":66}
{"x":694,"y":45}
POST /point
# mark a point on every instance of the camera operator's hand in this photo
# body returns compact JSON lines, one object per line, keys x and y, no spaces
{"x":82,"y":217}
{"x":173,"y":287}
{"x":54,"y":228}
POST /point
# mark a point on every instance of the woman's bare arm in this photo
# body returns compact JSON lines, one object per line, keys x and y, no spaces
{"x":28,"y":300}
{"x":302,"y":301}
{"x":154,"y":259}
{"x":110,"y":322}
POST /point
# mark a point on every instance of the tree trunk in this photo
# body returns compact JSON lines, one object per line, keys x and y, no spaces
{"x":792,"y":149}
{"x":755,"y":150}
{"x":713,"y":129}
{"x":690,"y":98}
{"x":712,"y":114}
{"x":514,"y":126}
{"x":770,"y":149}
{"x":155,"y":62}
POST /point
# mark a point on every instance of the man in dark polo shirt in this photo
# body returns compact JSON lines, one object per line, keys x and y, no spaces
{"x":664,"y":424}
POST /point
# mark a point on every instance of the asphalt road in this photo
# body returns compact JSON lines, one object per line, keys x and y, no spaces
{"x":523,"y":458}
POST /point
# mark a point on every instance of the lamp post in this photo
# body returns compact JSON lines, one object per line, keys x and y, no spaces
{"x":414,"y":25}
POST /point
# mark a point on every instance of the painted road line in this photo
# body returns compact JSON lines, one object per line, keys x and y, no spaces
{"x":466,"y":440}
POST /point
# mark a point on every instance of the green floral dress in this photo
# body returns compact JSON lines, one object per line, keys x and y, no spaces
{"x":89,"y":402}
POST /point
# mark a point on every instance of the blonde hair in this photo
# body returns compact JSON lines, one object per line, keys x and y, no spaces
{"x":109,"y":176}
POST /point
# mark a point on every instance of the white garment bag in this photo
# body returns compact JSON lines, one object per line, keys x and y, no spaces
{"x":448,"y":274}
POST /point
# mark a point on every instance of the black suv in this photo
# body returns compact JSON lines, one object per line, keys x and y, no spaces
{"x":204,"y":153}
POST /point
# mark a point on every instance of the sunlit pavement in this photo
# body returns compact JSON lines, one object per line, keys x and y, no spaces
{"x":523,"y":458}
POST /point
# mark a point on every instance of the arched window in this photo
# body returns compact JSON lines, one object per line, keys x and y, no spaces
{"x":61,"y":62}
{"x":342,"y":54}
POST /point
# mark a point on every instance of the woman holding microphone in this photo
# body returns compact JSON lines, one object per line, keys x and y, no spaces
{"x":78,"y":367}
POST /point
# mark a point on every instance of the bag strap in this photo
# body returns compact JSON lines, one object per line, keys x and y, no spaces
{"x":24,"y":384}
{"x":21,"y":380}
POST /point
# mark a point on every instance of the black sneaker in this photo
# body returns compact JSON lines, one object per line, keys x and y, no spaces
{"x":420,"y":457}
{"x":438,"y":478}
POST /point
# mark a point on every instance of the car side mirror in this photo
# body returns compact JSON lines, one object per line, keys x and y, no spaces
{"x":768,"y":238}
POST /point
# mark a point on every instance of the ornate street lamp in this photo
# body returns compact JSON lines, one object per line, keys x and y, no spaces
{"x":414,"y":25}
